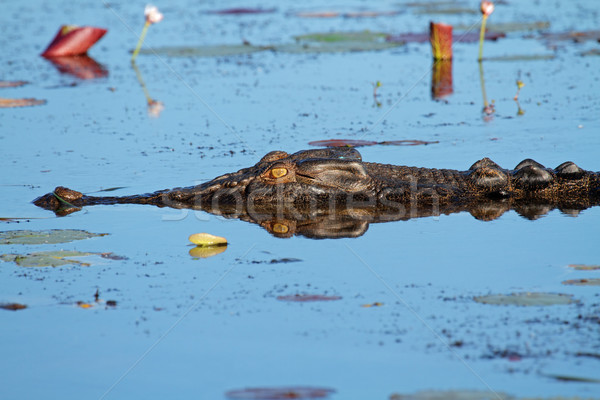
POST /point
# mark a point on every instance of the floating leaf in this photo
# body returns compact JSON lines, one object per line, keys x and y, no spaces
{"x":303,"y":298}
{"x":583,"y":267}
{"x":526,"y":299}
{"x":572,"y":378}
{"x":352,"y":14}
{"x":72,"y":40}
{"x":458,"y":37}
{"x":242,"y":11}
{"x":334,"y":47}
{"x":592,"y":52}
{"x":205,"y":252}
{"x":578,"y":37}
{"x":282,"y":393}
{"x":376,"y":304}
{"x":47,"y":258}
{"x":12,"y":103}
{"x":583,"y":282}
{"x":342,"y":143}
{"x":46,"y":237}
{"x":12,"y":306}
{"x":510,"y":26}
{"x":359,"y":143}
{"x":362,"y":36}
{"x":11,"y":84}
{"x":84,"y":305}
{"x":521,"y":57}
{"x":208,"y":240}
{"x":452,"y":395}
{"x":205,"y":51}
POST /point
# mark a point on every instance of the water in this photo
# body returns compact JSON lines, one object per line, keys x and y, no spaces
{"x":188,"y":327}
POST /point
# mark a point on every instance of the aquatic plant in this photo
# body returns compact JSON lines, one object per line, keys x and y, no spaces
{"x":153,"y":16}
{"x":487,"y":8}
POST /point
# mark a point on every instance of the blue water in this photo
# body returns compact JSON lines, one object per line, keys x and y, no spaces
{"x":187,"y":327}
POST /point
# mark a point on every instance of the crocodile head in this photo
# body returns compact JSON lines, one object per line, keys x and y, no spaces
{"x":316,"y":174}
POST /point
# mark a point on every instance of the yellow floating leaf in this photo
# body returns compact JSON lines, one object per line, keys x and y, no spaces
{"x":376,"y":304}
{"x":207,"y":251}
{"x":206,"y":239}
{"x":10,"y":103}
{"x":84,"y":305}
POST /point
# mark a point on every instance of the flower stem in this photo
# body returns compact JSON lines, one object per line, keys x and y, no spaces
{"x":141,"y":41}
{"x":482,"y":38}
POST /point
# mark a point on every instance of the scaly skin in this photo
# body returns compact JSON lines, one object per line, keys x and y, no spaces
{"x":311,"y":184}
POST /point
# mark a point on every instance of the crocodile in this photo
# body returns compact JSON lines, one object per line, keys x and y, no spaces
{"x":332,"y":193}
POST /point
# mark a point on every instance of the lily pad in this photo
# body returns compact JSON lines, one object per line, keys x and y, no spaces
{"x":510,"y":26}
{"x":527,"y":299}
{"x":206,"y":51}
{"x":424,"y":37}
{"x":46,"y":237}
{"x":12,"y":306}
{"x":572,"y":378}
{"x":359,"y":143}
{"x":305,"y":298}
{"x":361,"y":36}
{"x":452,"y":395}
{"x":522,"y":57}
{"x":12,"y":103}
{"x":583,"y":282}
{"x":280,"y":393}
{"x":335,"y":47}
{"x":46,"y":258}
{"x":11,"y":84}
{"x":584,"y":267}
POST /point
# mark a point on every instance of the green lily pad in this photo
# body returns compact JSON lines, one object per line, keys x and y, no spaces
{"x":572,"y":378}
{"x":522,"y":57}
{"x":526,"y":299}
{"x":46,"y":237}
{"x":452,"y":395}
{"x":328,"y":37}
{"x":584,"y":267}
{"x":206,"y":51}
{"x":335,"y":47}
{"x":583,"y":282}
{"x":510,"y":26}
{"x":46,"y":258}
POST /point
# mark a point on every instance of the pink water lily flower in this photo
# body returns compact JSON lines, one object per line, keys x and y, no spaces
{"x":152,"y":14}
{"x":487,"y":8}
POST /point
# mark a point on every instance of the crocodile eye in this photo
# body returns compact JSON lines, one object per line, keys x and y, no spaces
{"x":277,"y":172}
{"x":280,"y":228}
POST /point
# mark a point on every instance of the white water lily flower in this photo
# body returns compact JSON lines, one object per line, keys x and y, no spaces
{"x":152,"y":14}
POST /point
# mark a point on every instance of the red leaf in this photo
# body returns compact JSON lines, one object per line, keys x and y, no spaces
{"x":342,"y":143}
{"x":72,"y":41}
{"x":440,"y":36}
{"x":282,"y":393}
{"x":11,"y":103}
{"x":302,"y":298}
{"x":9,"y":84}
{"x":82,"y":67}
{"x":239,"y":11}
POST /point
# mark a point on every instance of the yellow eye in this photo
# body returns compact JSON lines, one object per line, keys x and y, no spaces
{"x":280,"y":228}
{"x":278,"y":172}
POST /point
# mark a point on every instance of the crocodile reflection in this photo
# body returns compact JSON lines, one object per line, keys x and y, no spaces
{"x":331,"y":193}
